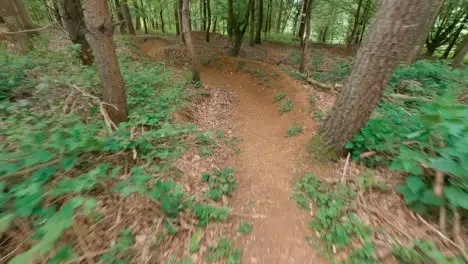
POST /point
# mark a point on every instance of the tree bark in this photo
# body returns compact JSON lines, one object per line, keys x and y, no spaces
{"x":268,"y":18}
{"x":73,"y":20}
{"x":280,"y":14}
{"x":181,"y":24}
{"x":204,"y":15}
{"x":230,"y":19}
{"x":56,"y":13}
{"x":215,"y":24}
{"x":460,"y":53}
{"x":128,"y":18}
{"x":137,"y":16}
{"x":252,"y":24}
{"x":24,"y":14}
{"x":120,"y":16}
{"x":100,"y":28}
{"x":13,"y":20}
{"x":305,"y":41}
{"x":424,"y":27}
{"x":385,"y":45}
{"x":188,"y":41}
{"x":258,"y":35}
{"x":208,"y":19}
{"x":296,"y":19}
{"x":301,"y":31}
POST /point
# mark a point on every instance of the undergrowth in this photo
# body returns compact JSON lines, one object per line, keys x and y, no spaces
{"x":57,"y":155}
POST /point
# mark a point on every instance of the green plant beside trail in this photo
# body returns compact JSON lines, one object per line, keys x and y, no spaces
{"x":57,"y":150}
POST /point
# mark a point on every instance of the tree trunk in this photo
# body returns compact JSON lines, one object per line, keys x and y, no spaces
{"x":56,"y":13}
{"x":453,"y":41}
{"x":99,"y":35}
{"x":304,"y":42}
{"x":252,"y":24}
{"x":188,"y":41}
{"x":268,"y":18}
{"x":215,"y":24}
{"x":300,"y":34}
{"x":460,"y":53}
{"x":73,"y":20}
{"x":204,"y":15}
{"x":24,"y":14}
{"x":137,"y":17}
{"x":280,"y":14}
{"x":145,"y":21}
{"x":424,"y":27}
{"x":230,"y":18}
{"x":13,"y":20}
{"x":128,"y":18}
{"x":176,"y":16}
{"x":208,"y":19}
{"x":120,"y":16}
{"x":181,"y":25}
{"x":296,"y":19}
{"x":355,"y":26}
{"x":258,"y":35}
{"x":240,"y":30}
{"x":385,"y":45}
{"x":162,"y":21}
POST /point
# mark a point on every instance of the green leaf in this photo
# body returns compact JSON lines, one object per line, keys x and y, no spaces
{"x":349,"y":145}
{"x":447,"y":165}
{"x":415,"y":184}
{"x":456,"y":196}
{"x":5,"y":222}
{"x":429,"y":198}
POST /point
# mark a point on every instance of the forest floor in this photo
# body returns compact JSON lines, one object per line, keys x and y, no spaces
{"x":269,"y":163}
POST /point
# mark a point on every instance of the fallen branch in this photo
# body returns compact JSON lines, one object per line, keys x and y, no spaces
{"x":254,"y":216}
{"x":367,"y":154}
{"x":26,"y":30}
{"x":410,"y":98}
{"x":325,"y":86}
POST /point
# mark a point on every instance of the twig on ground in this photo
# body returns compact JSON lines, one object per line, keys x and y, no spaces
{"x":343,"y":176}
{"x":254,"y":216}
{"x":367,"y":154}
{"x":444,"y":237}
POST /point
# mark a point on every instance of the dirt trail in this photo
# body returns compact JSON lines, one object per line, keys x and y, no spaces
{"x":268,"y":160}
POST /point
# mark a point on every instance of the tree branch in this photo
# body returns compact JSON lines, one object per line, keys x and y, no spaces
{"x":27,"y":30}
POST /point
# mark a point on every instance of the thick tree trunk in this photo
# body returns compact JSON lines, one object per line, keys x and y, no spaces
{"x":162,"y":21}
{"x":137,"y":16}
{"x":258,"y":35}
{"x":120,"y":16}
{"x":73,"y":20}
{"x":386,"y":44}
{"x":128,"y":18}
{"x":188,"y":41}
{"x":304,"y":42}
{"x":252,"y":24}
{"x":424,"y":27}
{"x":99,"y":35}
{"x":13,"y":20}
{"x":460,"y":53}
{"x":453,"y":41}
{"x":208,"y":18}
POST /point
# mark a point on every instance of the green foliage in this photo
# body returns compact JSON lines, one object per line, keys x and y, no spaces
{"x":220,"y":182}
{"x":285,"y":106}
{"x":119,"y":252}
{"x":337,"y":225}
{"x":318,"y":148}
{"x":279,"y":96}
{"x":244,"y":227}
{"x":293,"y":130}
{"x":313,"y":99}
{"x":206,"y":212}
{"x":194,"y":241}
{"x":224,"y":250}
{"x":12,"y":74}
{"x":340,"y":71}
{"x":316,"y":61}
{"x":423,"y":252}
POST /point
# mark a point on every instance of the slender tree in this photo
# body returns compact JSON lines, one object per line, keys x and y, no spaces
{"x":208,"y":18}
{"x":460,"y":53}
{"x":143,"y":14}
{"x":230,"y":19}
{"x":305,"y":41}
{"x":9,"y":11}
{"x":137,"y":16}
{"x":454,"y":38}
{"x":71,"y":12}
{"x":252,"y":25}
{"x":258,"y":34}
{"x":181,"y":24}
{"x":99,"y":34}
{"x":162,"y":21}
{"x":176,"y":17}
{"x":188,"y":41}
{"x":120,"y":16}
{"x":240,"y":27}
{"x":352,"y":37}
{"x":128,"y":18}
{"x":386,"y":44}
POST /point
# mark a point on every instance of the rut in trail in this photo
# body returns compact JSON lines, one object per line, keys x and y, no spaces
{"x":268,"y":159}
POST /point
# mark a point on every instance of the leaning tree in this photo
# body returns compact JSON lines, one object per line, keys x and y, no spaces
{"x":385,"y":45}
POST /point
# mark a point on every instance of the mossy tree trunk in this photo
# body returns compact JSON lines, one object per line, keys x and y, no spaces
{"x":385,"y":45}
{"x":99,"y":34}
